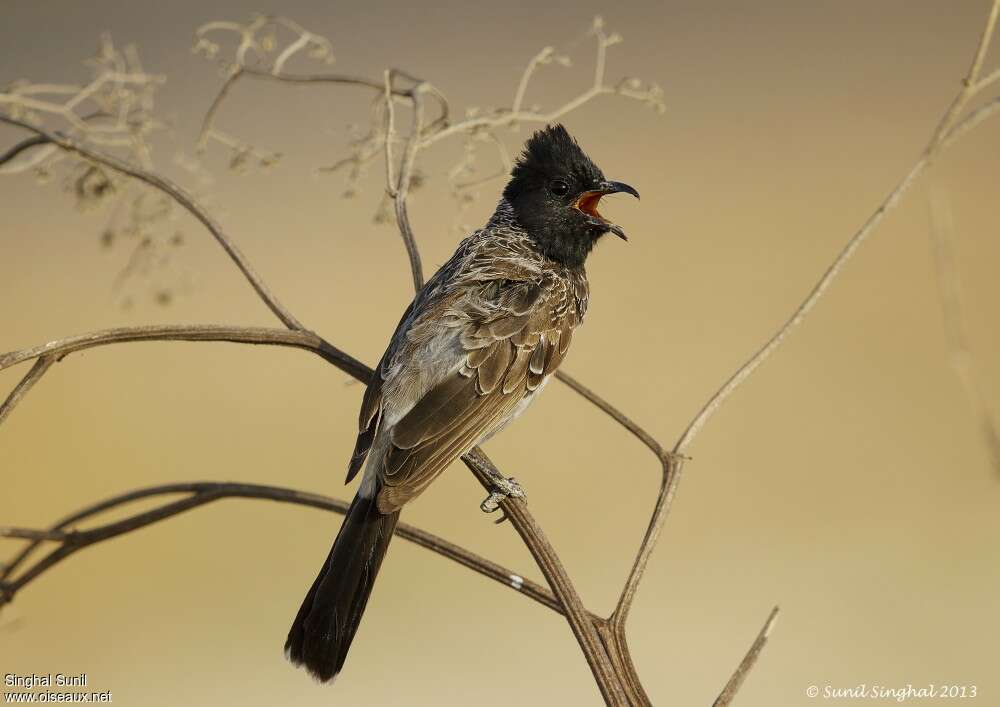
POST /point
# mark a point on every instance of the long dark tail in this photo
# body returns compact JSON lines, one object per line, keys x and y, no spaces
{"x":329,"y":616}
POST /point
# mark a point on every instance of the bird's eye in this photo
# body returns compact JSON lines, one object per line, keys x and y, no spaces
{"x":559,"y":188}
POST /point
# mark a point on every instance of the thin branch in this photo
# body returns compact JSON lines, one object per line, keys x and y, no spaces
{"x":53,"y":351}
{"x":20,"y":147}
{"x":307,"y":340}
{"x":181,"y":197}
{"x":239,"y":72}
{"x":725,"y":698}
{"x":31,"y":377}
{"x":208,"y":122}
{"x":548,"y":561}
{"x":970,"y":84}
{"x":543,"y":57}
{"x":671,"y":465}
{"x":613,"y":412}
{"x":8,"y":531}
{"x":942,"y":140}
{"x":632,"y":88}
{"x":403,"y":186}
{"x":616,"y":644}
{"x":203,"y":493}
{"x":334,"y":79}
{"x":670,"y":479}
{"x":40,"y":156}
{"x":390,"y":134}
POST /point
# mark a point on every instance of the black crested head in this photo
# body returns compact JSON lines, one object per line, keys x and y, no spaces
{"x":554,"y":189}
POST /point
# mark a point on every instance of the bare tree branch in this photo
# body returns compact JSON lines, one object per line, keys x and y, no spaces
{"x":725,"y":698}
{"x":201,"y":493}
{"x":548,"y":561}
{"x":971,"y":83}
{"x":403,"y":183}
{"x":949,"y":130}
{"x":670,"y":464}
{"x":31,"y":377}
{"x":20,"y":147}
{"x":612,"y":412}
{"x":194,"y":332}
{"x":237,"y":73}
{"x":628,"y":87}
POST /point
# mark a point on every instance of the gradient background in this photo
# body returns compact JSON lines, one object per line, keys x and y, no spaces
{"x":847,"y":481}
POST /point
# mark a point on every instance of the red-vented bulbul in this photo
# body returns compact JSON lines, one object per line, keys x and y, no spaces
{"x":474,"y":348}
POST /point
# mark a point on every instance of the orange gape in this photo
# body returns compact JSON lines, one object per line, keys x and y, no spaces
{"x":588,"y":202}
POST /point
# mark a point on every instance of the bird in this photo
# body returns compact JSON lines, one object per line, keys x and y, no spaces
{"x":475,"y":347}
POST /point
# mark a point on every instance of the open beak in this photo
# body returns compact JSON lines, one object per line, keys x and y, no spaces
{"x":588,"y":201}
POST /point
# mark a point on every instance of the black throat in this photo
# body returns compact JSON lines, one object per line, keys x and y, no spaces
{"x":567,"y":247}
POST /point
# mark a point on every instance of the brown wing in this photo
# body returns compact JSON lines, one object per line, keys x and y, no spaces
{"x":371,"y":408}
{"x":509,"y":352}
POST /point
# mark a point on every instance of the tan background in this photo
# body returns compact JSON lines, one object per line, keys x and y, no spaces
{"x":847,"y":481}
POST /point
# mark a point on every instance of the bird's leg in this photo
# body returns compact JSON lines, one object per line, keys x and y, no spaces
{"x":502,"y":488}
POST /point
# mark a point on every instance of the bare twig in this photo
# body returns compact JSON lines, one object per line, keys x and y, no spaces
{"x":548,"y":561}
{"x":390,"y":132}
{"x":671,"y":465}
{"x":208,"y":122}
{"x":635,"y":89}
{"x":120,"y":95}
{"x":616,"y":644}
{"x":238,"y":73}
{"x":252,"y":60}
{"x":949,"y":130}
{"x":725,"y":698}
{"x":402,"y":189}
{"x":202,"y":493}
{"x":970,"y":84}
{"x":195,"y":332}
{"x":31,"y":377}
{"x":612,"y":412}
{"x":54,"y":351}
{"x":20,"y":147}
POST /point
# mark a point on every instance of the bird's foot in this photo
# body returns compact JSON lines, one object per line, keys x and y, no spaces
{"x":502,"y":488}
